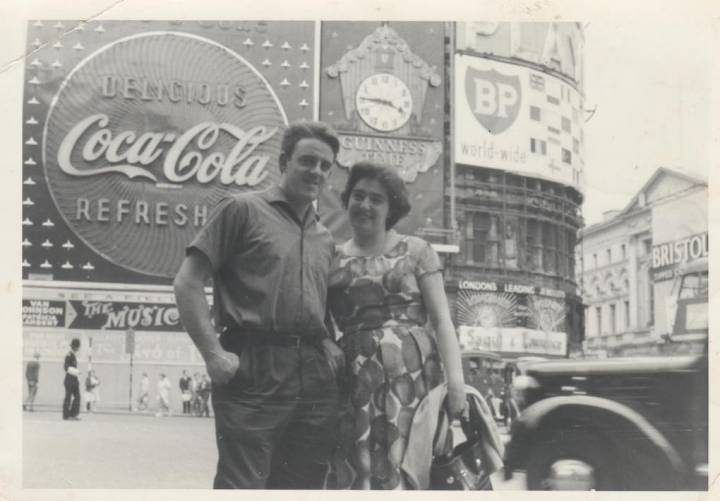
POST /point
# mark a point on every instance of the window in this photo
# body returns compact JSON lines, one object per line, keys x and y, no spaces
{"x":598,"y":320}
{"x":534,"y":245}
{"x":609,"y":256}
{"x":623,"y":252}
{"x":595,"y":263}
{"x":647,"y":246}
{"x":538,"y":146}
{"x":485,"y":242}
{"x":535,"y":113}
{"x":510,"y":243}
{"x":566,"y":125}
{"x":626,"y":314}
{"x":612,"y":319}
{"x":651,"y":297}
{"x":566,"y":156}
{"x":549,"y":242}
{"x":576,"y":146}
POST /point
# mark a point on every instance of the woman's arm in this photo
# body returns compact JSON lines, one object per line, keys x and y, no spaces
{"x":433,"y":291}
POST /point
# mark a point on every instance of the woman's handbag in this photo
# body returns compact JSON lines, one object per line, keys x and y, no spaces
{"x":465,"y":467}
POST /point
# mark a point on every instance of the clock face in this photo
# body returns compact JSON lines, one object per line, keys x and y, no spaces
{"x":383,"y":101}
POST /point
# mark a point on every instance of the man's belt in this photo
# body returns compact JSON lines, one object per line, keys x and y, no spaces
{"x":238,"y":338}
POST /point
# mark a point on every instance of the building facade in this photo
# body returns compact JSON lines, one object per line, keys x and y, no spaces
{"x":632,"y":266}
{"x":518,"y":164}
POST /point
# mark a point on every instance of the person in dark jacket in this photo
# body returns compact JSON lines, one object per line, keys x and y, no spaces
{"x":185,"y":392}
{"x":71,"y":403}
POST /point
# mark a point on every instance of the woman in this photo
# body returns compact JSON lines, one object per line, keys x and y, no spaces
{"x":163,"y":387}
{"x":383,"y":288}
{"x":92,"y":394}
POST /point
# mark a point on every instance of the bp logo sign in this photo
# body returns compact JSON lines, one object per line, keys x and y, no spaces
{"x":147,"y":134}
{"x":494,"y":98}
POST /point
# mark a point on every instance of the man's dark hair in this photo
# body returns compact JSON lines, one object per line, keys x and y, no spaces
{"x":75,"y":343}
{"x":314,"y":130}
{"x":397,"y":192}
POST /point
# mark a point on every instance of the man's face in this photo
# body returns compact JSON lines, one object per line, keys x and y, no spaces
{"x":307,"y":169}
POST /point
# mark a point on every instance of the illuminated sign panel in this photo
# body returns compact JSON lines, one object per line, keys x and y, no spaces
{"x":382,"y":89}
{"x":141,"y":129}
{"x":517,"y":119}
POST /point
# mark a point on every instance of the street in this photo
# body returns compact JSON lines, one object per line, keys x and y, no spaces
{"x":112,"y":451}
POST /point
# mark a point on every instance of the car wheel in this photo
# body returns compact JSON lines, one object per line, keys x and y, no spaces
{"x":570,"y":461}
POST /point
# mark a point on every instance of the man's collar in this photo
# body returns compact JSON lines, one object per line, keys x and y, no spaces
{"x":275,"y":194}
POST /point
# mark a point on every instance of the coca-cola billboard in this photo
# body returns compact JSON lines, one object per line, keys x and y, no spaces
{"x":147,"y":131}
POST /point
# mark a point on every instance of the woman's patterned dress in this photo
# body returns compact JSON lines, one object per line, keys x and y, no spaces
{"x":392,"y":358}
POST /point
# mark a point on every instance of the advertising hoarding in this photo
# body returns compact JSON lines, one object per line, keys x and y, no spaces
{"x":382,"y":88}
{"x":513,"y":318}
{"x":517,"y":119}
{"x":515,"y":341}
{"x":134,"y":130}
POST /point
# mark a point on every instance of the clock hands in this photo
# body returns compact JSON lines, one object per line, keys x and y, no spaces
{"x":384,"y":102}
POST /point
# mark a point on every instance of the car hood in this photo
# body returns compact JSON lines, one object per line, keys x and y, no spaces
{"x":616,"y":365}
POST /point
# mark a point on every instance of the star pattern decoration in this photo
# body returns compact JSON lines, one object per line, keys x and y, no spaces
{"x":284,"y":57}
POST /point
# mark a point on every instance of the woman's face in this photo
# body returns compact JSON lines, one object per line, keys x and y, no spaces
{"x":368,"y":206}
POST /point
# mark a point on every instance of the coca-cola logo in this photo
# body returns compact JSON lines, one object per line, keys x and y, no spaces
{"x":147,"y":134}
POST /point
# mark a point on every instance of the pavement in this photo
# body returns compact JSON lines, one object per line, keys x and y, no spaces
{"x":130,"y":451}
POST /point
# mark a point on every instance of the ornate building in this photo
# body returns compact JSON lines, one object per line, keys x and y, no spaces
{"x":630,"y":280}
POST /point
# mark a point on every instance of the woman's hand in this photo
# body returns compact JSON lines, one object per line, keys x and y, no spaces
{"x":334,"y":355}
{"x":456,"y":401}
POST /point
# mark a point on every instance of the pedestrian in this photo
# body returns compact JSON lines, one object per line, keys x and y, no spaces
{"x":195,"y":400}
{"x":144,"y":398}
{"x":32,"y":376}
{"x":185,"y":392}
{"x":383,"y":289}
{"x":274,"y":390}
{"x":204,"y":394}
{"x":163,"y":388}
{"x":71,"y":402}
{"x":92,"y":393}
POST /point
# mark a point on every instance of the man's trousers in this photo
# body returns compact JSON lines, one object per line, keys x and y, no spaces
{"x":276,"y":420}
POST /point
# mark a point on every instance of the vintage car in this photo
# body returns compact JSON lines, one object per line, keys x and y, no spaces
{"x":620,"y":423}
{"x":615,"y":424}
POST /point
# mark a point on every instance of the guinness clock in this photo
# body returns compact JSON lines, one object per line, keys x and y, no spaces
{"x":384,"y":102}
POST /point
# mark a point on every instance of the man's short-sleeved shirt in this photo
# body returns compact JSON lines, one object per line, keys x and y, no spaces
{"x":270,"y":269}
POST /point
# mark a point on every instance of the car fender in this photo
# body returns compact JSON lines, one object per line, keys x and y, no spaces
{"x":600,"y":412}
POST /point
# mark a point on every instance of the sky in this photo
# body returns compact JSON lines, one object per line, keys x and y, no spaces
{"x":649,"y":82}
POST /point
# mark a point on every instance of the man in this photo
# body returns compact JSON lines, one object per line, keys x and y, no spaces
{"x":185,"y":381}
{"x":163,"y":388}
{"x":274,"y":393}
{"x":71,"y":403}
{"x":32,"y":375}
{"x":204,"y":393}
